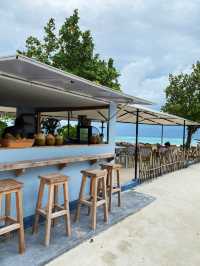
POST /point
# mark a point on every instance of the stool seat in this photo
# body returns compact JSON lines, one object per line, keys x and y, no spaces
{"x":9,"y":184}
{"x":54,"y":178}
{"x":94,"y":172}
{"x":111,"y":165}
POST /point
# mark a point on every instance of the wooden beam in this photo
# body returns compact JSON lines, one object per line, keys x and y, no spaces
{"x":68,"y":109}
{"x":9,"y":228}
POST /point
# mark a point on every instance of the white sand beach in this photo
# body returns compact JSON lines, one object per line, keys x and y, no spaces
{"x":165,"y":233}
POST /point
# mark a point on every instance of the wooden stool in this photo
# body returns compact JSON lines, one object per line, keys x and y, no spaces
{"x":96,"y":176}
{"x":111,"y":188}
{"x":53,"y":210}
{"x":7,"y":187}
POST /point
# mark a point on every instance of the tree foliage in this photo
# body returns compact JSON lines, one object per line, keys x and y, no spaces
{"x":72,"y":50}
{"x":183,"y":97}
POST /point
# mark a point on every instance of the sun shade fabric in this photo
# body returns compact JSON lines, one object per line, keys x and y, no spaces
{"x":41,"y":74}
{"x":149,"y":116}
{"x":127,"y":114}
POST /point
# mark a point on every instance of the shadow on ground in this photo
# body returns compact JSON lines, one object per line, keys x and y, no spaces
{"x":37,"y":254}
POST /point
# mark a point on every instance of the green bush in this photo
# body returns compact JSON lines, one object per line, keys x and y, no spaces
{"x":3,"y":125}
{"x":64,"y":132}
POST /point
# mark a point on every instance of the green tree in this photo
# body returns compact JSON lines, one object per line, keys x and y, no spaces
{"x":183,"y":98}
{"x":72,"y":50}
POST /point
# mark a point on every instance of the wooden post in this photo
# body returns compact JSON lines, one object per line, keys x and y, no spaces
{"x":38,"y":122}
{"x":162,"y":131}
{"x":107,"y":132}
{"x":102,"y":127}
{"x":184,"y":125}
{"x":68,"y":124}
{"x":136,"y":143}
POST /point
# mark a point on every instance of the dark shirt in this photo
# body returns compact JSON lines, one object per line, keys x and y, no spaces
{"x":14,"y":130}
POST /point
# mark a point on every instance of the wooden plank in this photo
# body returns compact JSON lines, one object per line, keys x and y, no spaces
{"x":58,"y":214}
{"x":9,"y":228}
{"x":21,"y":165}
{"x":42,"y":212}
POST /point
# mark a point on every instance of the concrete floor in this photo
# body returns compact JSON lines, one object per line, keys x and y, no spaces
{"x":165,"y":233}
{"x":37,"y":254}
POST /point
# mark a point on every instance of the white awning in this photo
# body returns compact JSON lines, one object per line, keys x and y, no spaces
{"x":150,"y":117}
{"x":27,"y":82}
{"x":7,"y":110}
{"x":127,"y":114}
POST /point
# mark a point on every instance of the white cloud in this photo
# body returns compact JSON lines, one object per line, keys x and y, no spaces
{"x":138,"y":78}
{"x":147,"y":39}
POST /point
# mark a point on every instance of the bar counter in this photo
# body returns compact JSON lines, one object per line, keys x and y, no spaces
{"x":26,"y":164}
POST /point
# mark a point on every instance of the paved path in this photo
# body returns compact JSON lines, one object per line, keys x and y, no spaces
{"x":165,"y":233}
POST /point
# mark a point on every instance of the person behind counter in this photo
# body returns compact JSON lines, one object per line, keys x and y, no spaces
{"x":167,"y":144}
{"x":17,"y":129}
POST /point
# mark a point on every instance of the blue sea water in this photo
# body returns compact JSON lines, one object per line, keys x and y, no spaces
{"x":152,"y":140}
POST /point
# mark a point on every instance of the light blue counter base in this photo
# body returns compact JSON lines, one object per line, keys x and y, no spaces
{"x":30,"y":177}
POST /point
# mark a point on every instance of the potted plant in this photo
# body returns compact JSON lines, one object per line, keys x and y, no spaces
{"x":50,"y":124}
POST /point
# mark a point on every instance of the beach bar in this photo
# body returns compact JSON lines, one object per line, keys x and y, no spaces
{"x":36,"y":89}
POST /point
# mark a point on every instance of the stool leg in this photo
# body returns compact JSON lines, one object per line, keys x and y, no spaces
{"x":48,"y":215}
{"x":106,"y":202}
{"x":119,"y":186}
{"x":110,"y":190}
{"x":20,"y":221}
{"x":38,"y":206}
{"x":66,"y":207}
{"x":91,"y":192}
{"x":55,"y":202}
{"x":1,"y":204}
{"x":77,"y":216}
{"x":7,"y":210}
{"x":94,"y":204}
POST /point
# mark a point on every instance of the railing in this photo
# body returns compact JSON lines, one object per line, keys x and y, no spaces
{"x":157,"y":162}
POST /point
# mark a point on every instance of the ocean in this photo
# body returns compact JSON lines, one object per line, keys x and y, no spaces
{"x":152,"y":140}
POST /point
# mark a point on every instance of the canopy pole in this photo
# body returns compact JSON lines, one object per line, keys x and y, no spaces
{"x":162,"y":131}
{"x":102,"y":127}
{"x":184,"y":126}
{"x":136,"y":142}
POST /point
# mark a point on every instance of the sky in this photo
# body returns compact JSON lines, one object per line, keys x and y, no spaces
{"x":147,"y":39}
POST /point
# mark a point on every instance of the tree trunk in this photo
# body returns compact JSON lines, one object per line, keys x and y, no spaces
{"x":190,"y":131}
